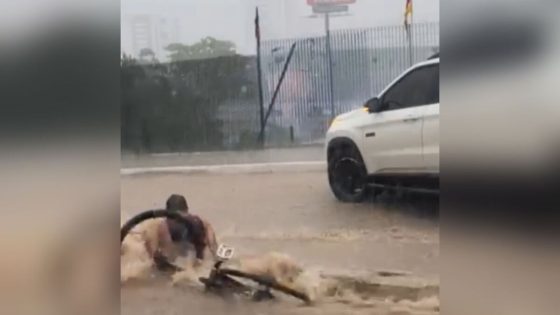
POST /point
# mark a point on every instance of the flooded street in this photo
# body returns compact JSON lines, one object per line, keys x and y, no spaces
{"x":295,"y":214}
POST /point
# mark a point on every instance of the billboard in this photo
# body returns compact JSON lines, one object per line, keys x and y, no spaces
{"x":330,"y":2}
{"x":321,"y":9}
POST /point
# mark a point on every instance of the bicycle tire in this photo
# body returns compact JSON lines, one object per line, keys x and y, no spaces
{"x":268,"y":282}
{"x":152,"y":214}
{"x":163,"y":264}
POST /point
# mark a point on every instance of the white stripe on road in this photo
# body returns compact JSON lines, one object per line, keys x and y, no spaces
{"x":303,"y":166}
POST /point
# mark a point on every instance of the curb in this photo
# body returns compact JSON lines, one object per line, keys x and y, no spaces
{"x":254,"y":168}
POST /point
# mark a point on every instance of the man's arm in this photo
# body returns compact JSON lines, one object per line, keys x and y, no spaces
{"x":163,"y":246}
{"x":211,"y":239}
{"x":164,"y":241}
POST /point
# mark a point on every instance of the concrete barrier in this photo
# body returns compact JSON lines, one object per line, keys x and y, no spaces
{"x":278,"y":155}
{"x":303,"y":166}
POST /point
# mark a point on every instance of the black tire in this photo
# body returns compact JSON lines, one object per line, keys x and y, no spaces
{"x":161,"y":262}
{"x":152,"y":214}
{"x":347,"y":173}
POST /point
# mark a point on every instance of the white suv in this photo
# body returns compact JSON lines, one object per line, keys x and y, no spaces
{"x":392,"y":141}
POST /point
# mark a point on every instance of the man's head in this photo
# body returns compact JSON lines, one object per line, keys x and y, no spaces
{"x":176,"y":202}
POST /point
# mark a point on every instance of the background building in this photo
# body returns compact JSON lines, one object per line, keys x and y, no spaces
{"x":159,"y":22}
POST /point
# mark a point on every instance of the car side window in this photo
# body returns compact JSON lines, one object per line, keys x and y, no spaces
{"x":419,"y":87}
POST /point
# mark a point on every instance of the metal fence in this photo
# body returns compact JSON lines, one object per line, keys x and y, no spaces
{"x":364,"y":62}
{"x":212,"y":104}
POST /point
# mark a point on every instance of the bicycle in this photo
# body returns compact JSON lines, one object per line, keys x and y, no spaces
{"x":221,"y":281}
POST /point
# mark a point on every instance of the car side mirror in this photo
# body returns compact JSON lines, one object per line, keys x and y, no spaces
{"x":374,"y":105}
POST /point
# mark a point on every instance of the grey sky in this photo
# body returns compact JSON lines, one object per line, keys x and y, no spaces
{"x":189,"y":20}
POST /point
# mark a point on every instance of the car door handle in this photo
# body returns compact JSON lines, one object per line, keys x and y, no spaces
{"x":411,"y":119}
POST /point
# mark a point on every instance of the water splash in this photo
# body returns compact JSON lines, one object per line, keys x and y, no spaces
{"x":135,"y":260}
{"x":136,"y":264}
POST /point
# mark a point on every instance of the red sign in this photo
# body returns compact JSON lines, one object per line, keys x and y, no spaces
{"x":330,"y":2}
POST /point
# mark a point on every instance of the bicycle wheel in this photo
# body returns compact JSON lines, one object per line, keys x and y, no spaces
{"x":266,"y":281}
{"x":152,"y":214}
{"x":161,"y":262}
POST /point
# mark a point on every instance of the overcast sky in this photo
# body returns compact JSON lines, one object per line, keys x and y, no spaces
{"x":233,"y":19}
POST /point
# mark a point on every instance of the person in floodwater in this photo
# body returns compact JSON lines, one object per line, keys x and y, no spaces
{"x":174,"y":239}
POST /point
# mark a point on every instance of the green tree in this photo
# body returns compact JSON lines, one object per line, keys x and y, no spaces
{"x":147,"y":53}
{"x":208,"y":47}
{"x":175,"y":107}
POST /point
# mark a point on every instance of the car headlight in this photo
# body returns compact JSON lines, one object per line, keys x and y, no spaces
{"x":335,"y":121}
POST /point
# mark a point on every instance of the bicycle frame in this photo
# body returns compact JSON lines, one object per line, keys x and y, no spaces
{"x":220,"y":281}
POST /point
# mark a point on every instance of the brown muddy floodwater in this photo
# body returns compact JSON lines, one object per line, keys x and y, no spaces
{"x":295,"y":214}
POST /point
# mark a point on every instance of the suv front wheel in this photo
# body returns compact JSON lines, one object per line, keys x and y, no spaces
{"x":347,"y":174}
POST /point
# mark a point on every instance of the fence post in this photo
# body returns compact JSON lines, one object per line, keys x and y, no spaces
{"x":329,"y":57}
{"x":259,"y":76}
{"x":292,"y":134}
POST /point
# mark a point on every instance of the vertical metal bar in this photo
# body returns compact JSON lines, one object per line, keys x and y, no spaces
{"x":355,"y":55}
{"x":259,"y":74}
{"x":293,"y":93}
{"x":383,"y":48}
{"x":375,"y":68}
{"x":410,"y":31}
{"x":292,"y":134}
{"x":296,"y":92}
{"x":303,"y":84}
{"x":337,"y":56}
{"x":363,"y":61}
{"x":329,"y":57}
{"x":403,"y":55}
{"x":371,"y":59}
{"x":301,"y":102}
{"x":323,"y":69}
{"x":347,"y":52}
{"x":352,"y":51}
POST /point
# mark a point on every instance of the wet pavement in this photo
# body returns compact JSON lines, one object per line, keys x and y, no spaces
{"x":292,"y":213}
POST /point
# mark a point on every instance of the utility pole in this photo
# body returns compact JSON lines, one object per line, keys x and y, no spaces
{"x":408,"y":28}
{"x":326,"y":8}
{"x":410,"y":48}
{"x":259,"y":76}
{"x":330,"y":66}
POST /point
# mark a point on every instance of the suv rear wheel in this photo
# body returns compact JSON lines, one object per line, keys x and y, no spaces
{"x":347,"y":174}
